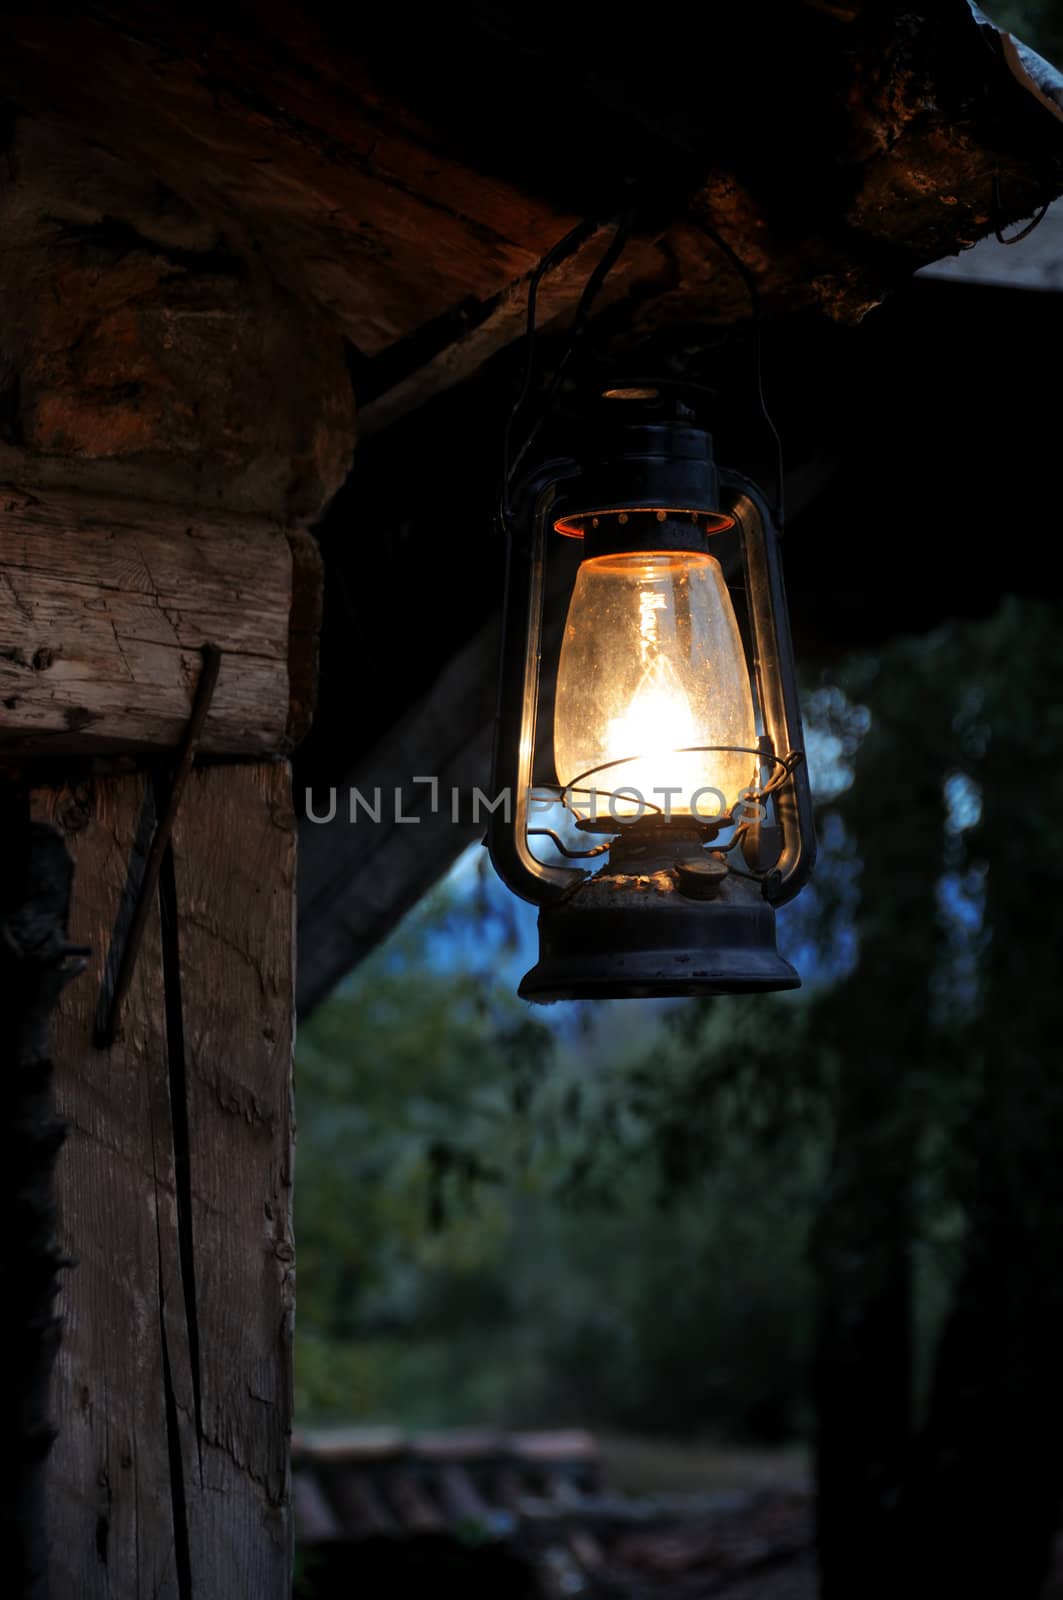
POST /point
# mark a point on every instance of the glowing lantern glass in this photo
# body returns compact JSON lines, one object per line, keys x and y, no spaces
{"x":652,"y":678}
{"x":675,"y":727}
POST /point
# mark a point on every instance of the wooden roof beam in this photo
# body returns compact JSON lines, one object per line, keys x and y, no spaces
{"x":408,"y":187}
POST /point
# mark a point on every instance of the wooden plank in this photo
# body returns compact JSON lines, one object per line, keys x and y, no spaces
{"x":343,"y":205}
{"x":415,"y":1506}
{"x":111,"y":1503}
{"x":644,"y":267}
{"x":357,"y":880}
{"x":36,"y":875}
{"x":460,"y":1498}
{"x":103,"y":609}
{"x":381,"y":872}
{"x":348,"y":159}
{"x":233,"y":894}
{"x":361,"y":1445}
{"x":460,"y":1445}
{"x":173,"y":1396}
{"x":361,"y":1506}
{"x":565,"y":1446}
{"x":315,"y":1520}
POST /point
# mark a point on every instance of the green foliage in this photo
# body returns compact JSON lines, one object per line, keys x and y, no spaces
{"x":402,"y":1109}
{"x":1035,"y":22}
{"x":484,"y":1225}
{"x":621,"y":1219}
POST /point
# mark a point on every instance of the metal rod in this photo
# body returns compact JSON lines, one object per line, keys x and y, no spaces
{"x":559,"y":844}
{"x":208,"y":678}
{"x":785,"y":765}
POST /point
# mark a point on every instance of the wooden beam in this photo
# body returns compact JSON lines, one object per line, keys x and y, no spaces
{"x":35,"y":960}
{"x":357,"y":879}
{"x":346,"y":196}
{"x":104,"y":607}
{"x":233,"y":903}
{"x":402,"y":181}
{"x":111,"y":1510}
{"x":645,"y":268}
{"x":173,"y":1394}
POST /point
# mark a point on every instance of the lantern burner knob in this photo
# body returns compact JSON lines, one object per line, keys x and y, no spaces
{"x":700,"y":877}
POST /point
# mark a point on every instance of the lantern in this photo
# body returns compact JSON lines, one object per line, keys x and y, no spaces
{"x":674,"y":735}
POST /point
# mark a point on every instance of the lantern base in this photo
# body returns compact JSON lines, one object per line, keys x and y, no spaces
{"x":624,"y":936}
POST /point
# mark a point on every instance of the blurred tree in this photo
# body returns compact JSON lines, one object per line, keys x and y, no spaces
{"x":987,"y":1484}
{"x":622,"y":1217}
{"x":936,"y":1055}
{"x":1037,"y":22}
{"x":878,"y":1024}
{"x":483,"y":1230}
{"x":402,"y":1110}
{"x":930,"y":1058}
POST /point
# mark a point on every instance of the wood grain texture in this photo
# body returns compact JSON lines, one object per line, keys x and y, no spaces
{"x":173,"y":1395}
{"x":346,"y":204}
{"x":402,"y":175}
{"x":111,"y":1511}
{"x":645,"y":268}
{"x":36,"y":959}
{"x":104,"y":607}
{"x":234,"y":879}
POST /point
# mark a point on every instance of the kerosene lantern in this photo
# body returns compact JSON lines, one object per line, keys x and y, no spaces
{"x":676,"y":734}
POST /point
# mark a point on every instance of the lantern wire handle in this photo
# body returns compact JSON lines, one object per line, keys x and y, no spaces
{"x":783,"y":768}
{"x":572,"y":241}
{"x":998,"y":208}
{"x":567,"y":246}
{"x":558,"y":843}
{"x":558,"y":253}
{"x":756,"y":310}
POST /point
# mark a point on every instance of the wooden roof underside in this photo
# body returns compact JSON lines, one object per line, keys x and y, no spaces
{"x":406,"y":171}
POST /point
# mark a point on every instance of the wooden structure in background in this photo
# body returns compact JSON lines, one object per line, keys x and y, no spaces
{"x":378,"y":1504}
{"x":358,"y":1483}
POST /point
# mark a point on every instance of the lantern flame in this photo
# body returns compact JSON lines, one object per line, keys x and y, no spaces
{"x":652,"y":664}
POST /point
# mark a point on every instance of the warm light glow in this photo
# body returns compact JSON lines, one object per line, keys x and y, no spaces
{"x":651,"y":662}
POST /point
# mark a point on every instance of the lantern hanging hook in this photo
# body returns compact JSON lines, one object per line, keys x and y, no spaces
{"x":998,"y":210}
{"x":561,"y":251}
{"x":756,"y":311}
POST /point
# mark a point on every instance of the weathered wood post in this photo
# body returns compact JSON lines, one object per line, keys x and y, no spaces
{"x":170,"y":422}
{"x":35,"y":960}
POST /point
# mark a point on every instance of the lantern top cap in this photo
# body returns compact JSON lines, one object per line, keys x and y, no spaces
{"x":646,"y":454}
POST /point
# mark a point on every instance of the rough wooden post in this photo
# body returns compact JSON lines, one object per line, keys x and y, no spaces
{"x":174,"y":1391}
{"x":171,"y":420}
{"x":34,"y":964}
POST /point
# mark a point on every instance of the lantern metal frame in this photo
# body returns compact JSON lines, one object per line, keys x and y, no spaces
{"x":666,"y":916}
